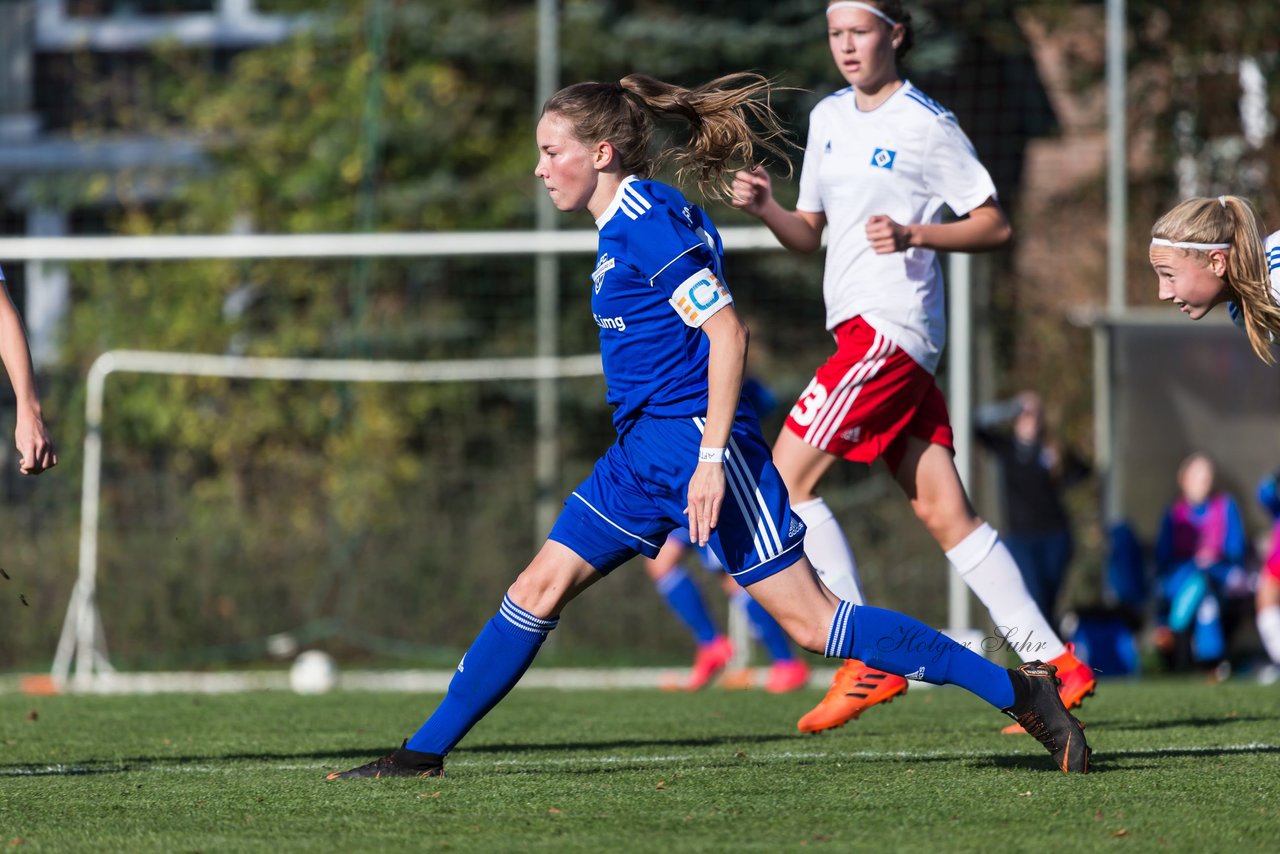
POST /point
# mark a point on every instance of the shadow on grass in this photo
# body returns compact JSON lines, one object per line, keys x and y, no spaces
{"x":1121,"y":760}
{"x":137,"y":763}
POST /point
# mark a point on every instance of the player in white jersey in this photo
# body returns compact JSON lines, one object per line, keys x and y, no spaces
{"x":1211,"y":251}
{"x":882,"y":160}
{"x":35,"y":449}
{"x":688,"y":451}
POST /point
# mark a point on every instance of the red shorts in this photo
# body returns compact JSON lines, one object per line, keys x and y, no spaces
{"x":868,"y":398}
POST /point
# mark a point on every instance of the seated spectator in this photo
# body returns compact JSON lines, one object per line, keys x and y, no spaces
{"x":1200,"y":554}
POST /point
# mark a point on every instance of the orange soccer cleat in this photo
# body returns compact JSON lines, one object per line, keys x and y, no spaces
{"x":855,"y":688}
{"x":1076,"y":681}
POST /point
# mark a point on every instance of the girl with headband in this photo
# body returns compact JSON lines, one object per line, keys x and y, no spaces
{"x":689,"y":451}
{"x":882,"y":160}
{"x":1211,"y":251}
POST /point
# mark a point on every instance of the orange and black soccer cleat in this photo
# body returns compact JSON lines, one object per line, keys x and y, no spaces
{"x":401,"y":762}
{"x":1076,"y":682}
{"x":855,"y":688}
{"x":1038,"y":709}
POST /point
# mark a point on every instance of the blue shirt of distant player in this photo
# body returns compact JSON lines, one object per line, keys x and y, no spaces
{"x":658,"y":278}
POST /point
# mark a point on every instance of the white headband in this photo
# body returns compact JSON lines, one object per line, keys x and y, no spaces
{"x":1182,"y":244}
{"x":866,"y":7}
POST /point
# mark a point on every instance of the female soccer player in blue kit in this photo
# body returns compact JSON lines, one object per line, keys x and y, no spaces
{"x":688,"y":452}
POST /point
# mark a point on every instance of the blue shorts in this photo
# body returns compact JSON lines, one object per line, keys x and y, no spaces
{"x":637,"y":493}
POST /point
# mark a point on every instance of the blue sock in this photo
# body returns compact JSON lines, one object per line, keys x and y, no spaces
{"x":896,"y":643}
{"x":498,"y":657}
{"x":775,"y":640}
{"x":684,"y":597}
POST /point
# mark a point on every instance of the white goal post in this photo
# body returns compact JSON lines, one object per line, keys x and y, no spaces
{"x":82,"y":642}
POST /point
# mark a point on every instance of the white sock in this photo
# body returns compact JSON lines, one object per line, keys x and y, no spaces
{"x":1269,"y":631}
{"x":828,"y":550}
{"x":987,"y":567}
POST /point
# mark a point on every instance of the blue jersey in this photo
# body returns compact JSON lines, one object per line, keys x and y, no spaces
{"x":658,"y":278}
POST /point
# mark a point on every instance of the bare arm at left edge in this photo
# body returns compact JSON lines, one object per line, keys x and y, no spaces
{"x":35,"y":448}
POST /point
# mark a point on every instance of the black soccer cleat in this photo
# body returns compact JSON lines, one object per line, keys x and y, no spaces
{"x":1038,"y":708}
{"x":400,"y":762}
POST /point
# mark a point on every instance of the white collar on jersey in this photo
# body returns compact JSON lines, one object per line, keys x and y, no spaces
{"x":905,"y":87}
{"x":613,"y":205}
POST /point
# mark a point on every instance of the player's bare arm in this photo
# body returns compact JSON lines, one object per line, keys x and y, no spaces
{"x":983,"y":229}
{"x":725,"y":371}
{"x":799,"y":231}
{"x":31,"y":437}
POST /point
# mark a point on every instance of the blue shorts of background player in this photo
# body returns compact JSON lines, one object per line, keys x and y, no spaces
{"x":716,"y":652}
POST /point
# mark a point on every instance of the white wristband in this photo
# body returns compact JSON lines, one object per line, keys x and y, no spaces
{"x":711,"y":455}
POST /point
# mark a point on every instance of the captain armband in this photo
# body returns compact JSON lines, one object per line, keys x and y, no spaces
{"x":699,"y":297}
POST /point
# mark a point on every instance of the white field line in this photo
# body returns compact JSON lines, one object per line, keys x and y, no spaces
{"x":607,"y":761}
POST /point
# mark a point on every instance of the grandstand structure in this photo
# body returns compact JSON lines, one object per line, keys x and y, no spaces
{"x":39,"y":41}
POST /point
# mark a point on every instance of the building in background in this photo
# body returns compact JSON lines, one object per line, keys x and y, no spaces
{"x":48,"y":50}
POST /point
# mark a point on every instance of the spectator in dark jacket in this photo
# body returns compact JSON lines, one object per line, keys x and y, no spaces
{"x":1034,"y":471}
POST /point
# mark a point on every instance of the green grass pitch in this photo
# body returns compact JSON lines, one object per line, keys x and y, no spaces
{"x":1178,"y":765}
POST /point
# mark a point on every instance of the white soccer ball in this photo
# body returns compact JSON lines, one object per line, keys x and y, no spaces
{"x":313,"y":672}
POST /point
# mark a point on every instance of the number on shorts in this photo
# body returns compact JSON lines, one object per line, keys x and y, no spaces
{"x":807,"y":407}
